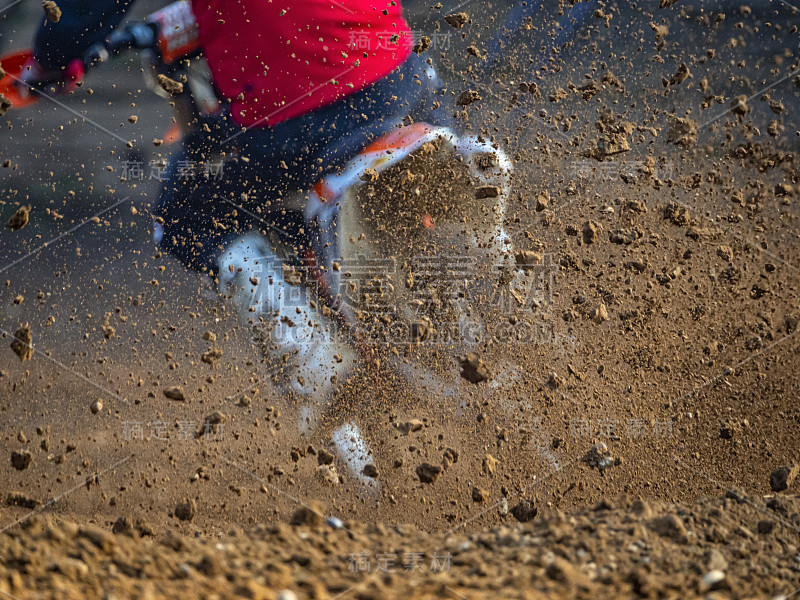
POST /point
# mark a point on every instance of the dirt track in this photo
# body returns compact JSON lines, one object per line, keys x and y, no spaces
{"x":620,"y":549}
{"x":667,"y":333}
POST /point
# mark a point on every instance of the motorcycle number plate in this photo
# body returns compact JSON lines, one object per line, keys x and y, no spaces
{"x":177,"y":31}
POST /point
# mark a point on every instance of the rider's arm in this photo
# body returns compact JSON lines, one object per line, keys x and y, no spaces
{"x":82,"y":23}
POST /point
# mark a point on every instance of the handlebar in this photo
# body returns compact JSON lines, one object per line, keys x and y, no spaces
{"x":137,"y":36}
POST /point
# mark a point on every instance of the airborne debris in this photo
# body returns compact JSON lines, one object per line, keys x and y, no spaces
{"x":408,"y":427}
{"x":19,"y":219}
{"x":175,"y":392}
{"x":51,"y":10}
{"x":212,"y":355}
{"x":467,"y":97}
{"x":782,"y":477}
{"x":457,"y":20}
{"x":587,"y":312}
{"x":186,"y":510}
{"x":22,"y":344}
{"x":473,"y":369}
{"x":422,"y":44}
{"x":428,"y":473}
{"x":599,"y":457}
{"x":683,"y":132}
{"x":739,"y":106}
{"x":681,"y":75}
{"x":21,"y":459}
{"x":170,"y":85}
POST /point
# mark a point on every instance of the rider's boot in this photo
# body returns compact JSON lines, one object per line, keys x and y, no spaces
{"x":298,"y":338}
{"x":296,"y":334}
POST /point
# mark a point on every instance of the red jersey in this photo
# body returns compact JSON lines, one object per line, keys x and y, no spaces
{"x":279,"y":59}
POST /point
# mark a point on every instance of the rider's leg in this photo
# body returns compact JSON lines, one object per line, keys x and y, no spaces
{"x":270,"y":165}
{"x":185,"y":216}
{"x":199,"y":220}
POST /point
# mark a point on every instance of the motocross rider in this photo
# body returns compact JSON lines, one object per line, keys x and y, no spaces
{"x":307,"y":85}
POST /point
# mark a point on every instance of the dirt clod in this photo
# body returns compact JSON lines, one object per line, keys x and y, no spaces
{"x":175,"y":392}
{"x":51,"y":11}
{"x":474,"y":369}
{"x":479,"y":494}
{"x":467,"y":97}
{"x":311,"y":515}
{"x":186,"y":510}
{"x":21,"y":500}
{"x":22,"y":344}
{"x":457,"y":20}
{"x":410,"y":426}
{"x":211,"y":356}
{"x":683,"y":132}
{"x":328,"y":474}
{"x":428,"y":473}
{"x":783,"y":477}
{"x":134,"y":527}
{"x":324,"y":457}
{"x":489,"y":465}
{"x":21,"y":459}
{"x":591,"y":230}
{"x":669,"y":526}
{"x":524,"y":511}
{"x":599,"y":457}
{"x":170,"y":85}
{"x":20,"y":218}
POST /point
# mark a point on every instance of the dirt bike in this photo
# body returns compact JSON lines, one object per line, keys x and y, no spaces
{"x":418,"y":205}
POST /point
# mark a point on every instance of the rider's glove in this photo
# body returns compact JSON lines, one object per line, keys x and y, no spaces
{"x":35,"y":78}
